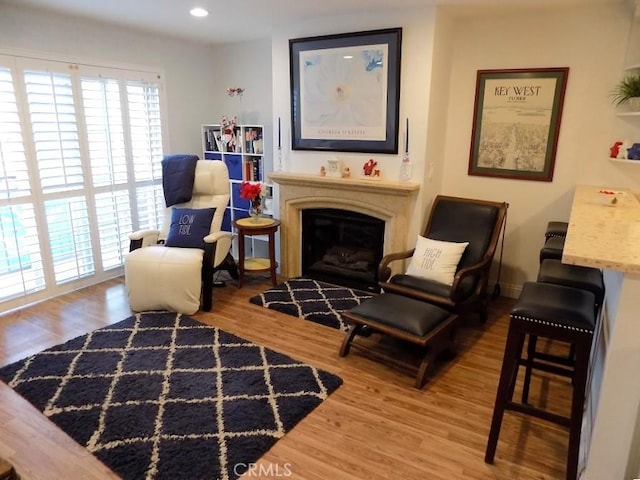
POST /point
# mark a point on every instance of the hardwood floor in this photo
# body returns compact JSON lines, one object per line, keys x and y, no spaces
{"x":375,"y":426}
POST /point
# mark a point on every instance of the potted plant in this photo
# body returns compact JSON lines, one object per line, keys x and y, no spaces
{"x":627,"y":91}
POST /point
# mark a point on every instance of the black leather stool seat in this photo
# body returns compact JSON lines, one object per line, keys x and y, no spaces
{"x":584,"y":278}
{"x":556,"y":306}
{"x":556,"y":229}
{"x":405,"y":318}
{"x":552,"y":248}
{"x":559,"y":313}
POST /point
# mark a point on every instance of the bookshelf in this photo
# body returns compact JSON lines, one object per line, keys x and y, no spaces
{"x":243,"y":150}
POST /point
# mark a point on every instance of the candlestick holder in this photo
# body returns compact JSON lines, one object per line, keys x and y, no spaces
{"x":405,"y":168}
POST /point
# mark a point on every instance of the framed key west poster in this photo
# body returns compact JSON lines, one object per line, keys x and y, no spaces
{"x":516,"y":122}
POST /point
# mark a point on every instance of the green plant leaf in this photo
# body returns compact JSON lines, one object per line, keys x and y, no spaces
{"x":628,"y":87}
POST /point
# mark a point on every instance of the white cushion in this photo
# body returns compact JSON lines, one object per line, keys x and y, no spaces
{"x":436,"y":260}
{"x":164,"y":278}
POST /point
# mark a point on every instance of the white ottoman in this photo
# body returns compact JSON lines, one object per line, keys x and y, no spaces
{"x":161,"y":278}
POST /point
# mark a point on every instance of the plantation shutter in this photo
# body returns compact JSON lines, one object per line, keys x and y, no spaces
{"x":54,"y":125}
{"x":108,"y":157}
{"x":80,"y":168}
{"x":146,"y":133}
{"x":21,"y":268}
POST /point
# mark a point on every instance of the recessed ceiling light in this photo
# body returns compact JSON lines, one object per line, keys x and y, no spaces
{"x":198,"y":12}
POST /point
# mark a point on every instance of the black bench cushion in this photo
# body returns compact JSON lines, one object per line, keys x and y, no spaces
{"x":403,"y":313}
{"x":556,"y":305}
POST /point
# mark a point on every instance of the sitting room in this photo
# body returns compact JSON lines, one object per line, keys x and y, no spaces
{"x":371,"y":254}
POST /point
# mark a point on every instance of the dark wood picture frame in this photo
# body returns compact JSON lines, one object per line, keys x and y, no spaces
{"x":345,"y":91}
{"x":516,"y":122}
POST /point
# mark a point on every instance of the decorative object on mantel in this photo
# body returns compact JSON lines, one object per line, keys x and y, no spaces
{"x":335,"y":167}
{"x":405,"y":166}
{"x":627,"y":92}
{"x":346,"y":173}
{"x":370,"y":171}
{"x":368,"y":167}
{"x":253,"y":193}
{"x":323,"y":171}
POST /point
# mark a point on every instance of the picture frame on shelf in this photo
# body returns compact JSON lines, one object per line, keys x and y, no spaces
{"x":516,"y":122}
{"x":335,"y":168}
{"x":345,"y":91}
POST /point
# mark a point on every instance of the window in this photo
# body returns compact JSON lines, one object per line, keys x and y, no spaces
{"x":89,"y":141}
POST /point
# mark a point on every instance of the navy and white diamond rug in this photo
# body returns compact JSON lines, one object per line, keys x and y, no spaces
{"x":162,"y":396}
{"x":312,"y":300}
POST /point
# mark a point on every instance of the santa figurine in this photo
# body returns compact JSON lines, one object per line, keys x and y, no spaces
{"x":368,"y":167}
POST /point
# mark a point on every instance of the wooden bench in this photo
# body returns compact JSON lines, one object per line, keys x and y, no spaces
{"x":415,"y":321}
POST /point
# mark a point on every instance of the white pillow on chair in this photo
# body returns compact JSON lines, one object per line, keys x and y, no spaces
{"x":436,"y":260}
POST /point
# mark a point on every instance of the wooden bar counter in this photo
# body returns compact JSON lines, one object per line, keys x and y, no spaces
{"x":608,"y":237}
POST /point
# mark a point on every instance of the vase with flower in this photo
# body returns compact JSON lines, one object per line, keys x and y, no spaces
{"x":252,"y":192}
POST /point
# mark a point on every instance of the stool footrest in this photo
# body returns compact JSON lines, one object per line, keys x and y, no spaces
{"x":545,"y":367}
{"x":539,"y":413}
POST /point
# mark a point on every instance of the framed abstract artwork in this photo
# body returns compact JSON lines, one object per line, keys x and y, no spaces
{"x":345,"y":91}
{"x":516,"y":122}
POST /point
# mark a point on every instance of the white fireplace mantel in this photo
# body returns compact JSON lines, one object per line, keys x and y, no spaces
{"x":390,"y":201}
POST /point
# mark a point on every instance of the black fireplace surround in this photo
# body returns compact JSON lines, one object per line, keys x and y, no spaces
{"x":342,"y":247}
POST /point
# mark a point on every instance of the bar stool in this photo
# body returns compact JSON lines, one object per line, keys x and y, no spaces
{"x":556,"y":229}
{"x":552,"y":248}
{"x":559,"y":313}
{"x":555,"y":272}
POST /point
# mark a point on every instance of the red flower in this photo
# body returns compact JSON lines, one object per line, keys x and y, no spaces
{"x":250,"y":191}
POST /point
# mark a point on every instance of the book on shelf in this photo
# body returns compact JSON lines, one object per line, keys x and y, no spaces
{"x":208,"y":141}
{"x":250,"y":136}
{"x":218,"y":140}
{"x":257,"y":170}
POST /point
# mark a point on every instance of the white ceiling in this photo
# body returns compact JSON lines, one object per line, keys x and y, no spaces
{"x":239,"y":20}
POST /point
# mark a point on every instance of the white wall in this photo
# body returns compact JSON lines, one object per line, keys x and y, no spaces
{"x":190,"y":73}
{"x":246,"y":65}
{"x":592,"y":43}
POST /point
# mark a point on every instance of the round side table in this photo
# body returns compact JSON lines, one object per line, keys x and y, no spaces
{"x":249,"y":227}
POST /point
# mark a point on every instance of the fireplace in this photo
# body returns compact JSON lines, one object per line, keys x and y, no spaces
{"x":342,"y":247}
{"x":391,"y":202}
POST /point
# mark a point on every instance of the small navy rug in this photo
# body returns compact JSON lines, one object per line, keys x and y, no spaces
{"x":162,"y":396}
{"x":312,"y":300}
